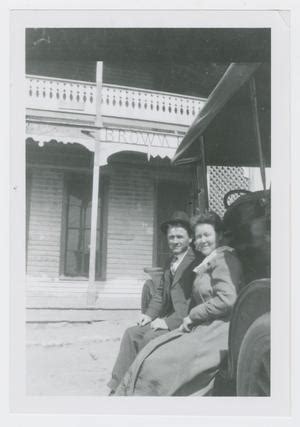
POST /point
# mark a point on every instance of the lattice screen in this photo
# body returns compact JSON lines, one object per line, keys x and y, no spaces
{"x":221,"y":180}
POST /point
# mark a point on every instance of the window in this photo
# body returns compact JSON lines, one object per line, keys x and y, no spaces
{"x":78,"y":227}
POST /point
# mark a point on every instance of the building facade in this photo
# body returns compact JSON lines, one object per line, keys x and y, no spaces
{"x":99,"y":182}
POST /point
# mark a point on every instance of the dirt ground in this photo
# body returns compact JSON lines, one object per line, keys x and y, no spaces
{"x":73,"y":358}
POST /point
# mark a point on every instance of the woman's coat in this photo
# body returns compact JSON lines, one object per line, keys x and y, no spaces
{"x":182,"y":363}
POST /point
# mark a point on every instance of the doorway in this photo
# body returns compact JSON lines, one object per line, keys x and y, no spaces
{"x":171,"y":196}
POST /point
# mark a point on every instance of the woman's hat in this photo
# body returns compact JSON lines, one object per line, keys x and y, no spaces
{"x":179,"y":218}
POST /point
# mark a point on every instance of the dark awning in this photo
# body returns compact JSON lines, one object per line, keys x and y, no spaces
{"x":226,"y":121}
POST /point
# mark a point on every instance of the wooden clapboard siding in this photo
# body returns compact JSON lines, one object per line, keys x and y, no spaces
{"x":130,"y":222}
{"x":129,"y":226}
{"x":44,"y":231}
{"x":132,"y":213}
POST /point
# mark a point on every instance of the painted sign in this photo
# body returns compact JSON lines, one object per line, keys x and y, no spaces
{"x":136,"y":137}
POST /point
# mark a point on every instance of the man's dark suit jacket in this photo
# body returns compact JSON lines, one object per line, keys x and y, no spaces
{"x":172,"y":298}
{"x":171,"y":302}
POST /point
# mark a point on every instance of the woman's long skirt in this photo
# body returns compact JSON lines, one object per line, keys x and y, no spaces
{"x":178,"y":363}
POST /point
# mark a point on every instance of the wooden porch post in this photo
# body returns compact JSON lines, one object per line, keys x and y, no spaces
{"x":257,"y":130}
{"x":202,"y":190}
{"x":92,"y":291}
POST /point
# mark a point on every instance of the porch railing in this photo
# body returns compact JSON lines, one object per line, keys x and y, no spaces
{"x":61,"y":95}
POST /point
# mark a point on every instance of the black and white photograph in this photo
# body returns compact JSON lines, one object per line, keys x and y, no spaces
{"x":147,"y":191}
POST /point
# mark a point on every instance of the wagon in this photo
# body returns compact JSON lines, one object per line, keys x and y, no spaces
{"x":234,"y":129}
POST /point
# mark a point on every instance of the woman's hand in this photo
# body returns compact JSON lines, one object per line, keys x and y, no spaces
{"x":186,"y":325}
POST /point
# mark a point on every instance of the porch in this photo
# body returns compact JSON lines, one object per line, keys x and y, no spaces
{"x":99,"y":182}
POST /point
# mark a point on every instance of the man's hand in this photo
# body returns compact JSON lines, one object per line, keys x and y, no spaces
{"x":186,"y":325}
{"x":159,"y":324}
{"x":144,"y":320}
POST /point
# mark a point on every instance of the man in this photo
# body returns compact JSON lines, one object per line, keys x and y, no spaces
{"x":169,"y":304}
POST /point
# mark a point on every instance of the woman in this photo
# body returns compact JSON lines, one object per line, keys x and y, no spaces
{"x":186,"y":361}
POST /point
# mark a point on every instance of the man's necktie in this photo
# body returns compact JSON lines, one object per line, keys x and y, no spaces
{"x":172,"y":266}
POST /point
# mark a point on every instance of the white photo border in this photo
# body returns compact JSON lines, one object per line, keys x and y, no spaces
{"x":278,"y":405}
